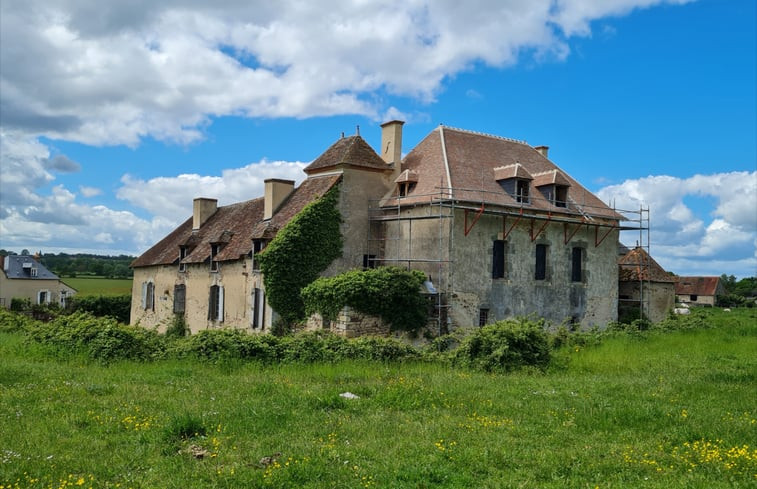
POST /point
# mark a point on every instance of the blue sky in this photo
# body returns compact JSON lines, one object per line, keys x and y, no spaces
{"x":129,"y":109}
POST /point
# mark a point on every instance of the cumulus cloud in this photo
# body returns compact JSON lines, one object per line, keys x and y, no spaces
{"x":171,"y":198}
{"x":118,"y":72}
{"x":684,"y":238}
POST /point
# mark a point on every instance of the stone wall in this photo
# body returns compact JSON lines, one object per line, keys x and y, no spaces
{"x":350,"y":324}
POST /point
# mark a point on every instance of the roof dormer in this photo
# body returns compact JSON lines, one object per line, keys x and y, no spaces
{"x":515,"y":180}
{"x":406,"y":182}
{"x":554,"y":186}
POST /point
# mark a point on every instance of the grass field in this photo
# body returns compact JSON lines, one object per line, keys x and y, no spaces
{"x":668,"y":410}
{"x":99,"y":285}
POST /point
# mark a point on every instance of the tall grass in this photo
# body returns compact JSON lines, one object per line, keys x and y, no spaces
{"x":663,"y":410}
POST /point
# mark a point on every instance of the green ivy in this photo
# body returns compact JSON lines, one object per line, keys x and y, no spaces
{"x":391,"y":293}
{"x":299,"y":253}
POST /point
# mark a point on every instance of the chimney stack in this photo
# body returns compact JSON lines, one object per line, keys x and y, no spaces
{"x":543,"y":150}
{"x":202,"y":209}
{"x":391,"y":144}
{"x":276,"y":191}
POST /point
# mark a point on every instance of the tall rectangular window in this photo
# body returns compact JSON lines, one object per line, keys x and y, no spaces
{"x":215,"y":303}
{"x":483,"y":317}
{"x":541,"y":262}
{"x":148,"y":296}
{"x":498,"y":259}
{"x":521,"y":191}
{"x":576,"y":265}
{"x":179,"y":298}
{"x":258,"y":308}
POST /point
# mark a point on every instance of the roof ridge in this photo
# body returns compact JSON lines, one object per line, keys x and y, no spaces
{"x":479,"y":133}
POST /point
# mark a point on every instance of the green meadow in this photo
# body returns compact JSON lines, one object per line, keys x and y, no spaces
{"x":99,"y":285}
{"x":674,"y":409}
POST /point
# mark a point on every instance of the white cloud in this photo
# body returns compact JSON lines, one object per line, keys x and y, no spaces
{"x":116,"y":72}
{"x":171,"y":198}
{"x":89,"y":191}
{"x":681,"y":237}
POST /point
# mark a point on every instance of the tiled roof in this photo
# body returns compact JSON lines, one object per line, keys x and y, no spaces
{"x":473,"y":159}
{"x":637,"y":265}
{"x":20,"y":266}
{"x":311,"y":189}
{"x":351,"y":150}
{"x":698,"y":286}
{"x":233,"y":227}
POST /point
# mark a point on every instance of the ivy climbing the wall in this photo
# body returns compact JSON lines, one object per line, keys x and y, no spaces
{"x":391,"y":293}
{"x":299,"y":253}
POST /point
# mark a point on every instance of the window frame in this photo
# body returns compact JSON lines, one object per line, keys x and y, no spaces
{"x":215,"y":303}
{"x":499,"y":262}
{"x":577,"y":264}
{"x":179,"y":290}
{"x":541,"y":258}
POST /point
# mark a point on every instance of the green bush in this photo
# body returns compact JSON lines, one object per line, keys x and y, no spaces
{"x":391,"y":293}
{"x":101,"y":339}
{"x":178,"y":327}
{"x":505,"y":346}
{"x":18,"y":304}
{"x":13,"y":322}
{"x":115,"y":306}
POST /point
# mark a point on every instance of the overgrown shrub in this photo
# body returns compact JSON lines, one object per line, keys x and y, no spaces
{"x":18,"y":304}
{"x":178,"y":327}
{"x":391,"y":293}
{"x":13,"y":322}
{"x":301,"y":250}
{"x":505,"y":346}
{"x":101,"y":339}
{"x":115,"y":306}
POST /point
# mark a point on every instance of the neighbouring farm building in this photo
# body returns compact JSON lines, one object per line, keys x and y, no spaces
{"x":24,"y":277}
{"x":698,"y":291}
{"x":498,"y":228}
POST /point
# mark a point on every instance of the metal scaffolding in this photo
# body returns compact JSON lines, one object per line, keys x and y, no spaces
{"x":395,"y":246}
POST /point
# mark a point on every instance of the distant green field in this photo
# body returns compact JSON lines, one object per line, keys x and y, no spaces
{"x":99,"y":285}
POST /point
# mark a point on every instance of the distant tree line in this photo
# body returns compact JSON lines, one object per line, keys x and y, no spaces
{"x":68,"y":265}
{"x":738,"y":292}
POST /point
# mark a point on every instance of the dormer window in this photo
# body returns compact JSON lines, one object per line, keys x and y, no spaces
{"x":516,"y":181}
{"x":406,"y":182}
{"x":183,"y":252}
{"x":214,"y":249}
{"x":33,"y":272}
{"x":553,"y":186}
{"x":521,"y":191}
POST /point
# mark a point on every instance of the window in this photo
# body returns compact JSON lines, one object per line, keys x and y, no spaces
{"x":483,"y":317}
{"x":521,"y":191}
{"x":214,"y":248}
{"x":63,"y":294}
{"x":179,"y":298}
{"x":405,"y":188}
{"x":498,"y":259}
{"x":42,"y":297}
{"x":182,"y":255}
{"x":33,"y":272}
{"x":561,"y":199}
{"x":258,"y":308}
{"x":541,"y":262}
{"x":576,"y":264}
{"x":369,"y":261}
{"x":694,"y":297}
{"x":148,"y":296}
{"x":215,"y":303}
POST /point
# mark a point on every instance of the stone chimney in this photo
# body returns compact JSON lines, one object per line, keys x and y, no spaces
{"x":391,"y":144}
{"x":543,"y":150}
{"x":276,"y":191}
{"x":202,"y":209}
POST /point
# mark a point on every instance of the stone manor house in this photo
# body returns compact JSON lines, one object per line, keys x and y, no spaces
{"x":497,"y":227}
